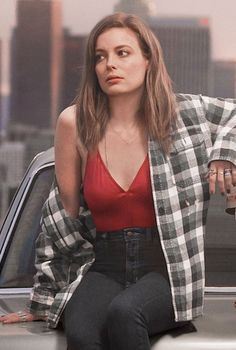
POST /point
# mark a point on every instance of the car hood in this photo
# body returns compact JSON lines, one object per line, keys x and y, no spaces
{"x":33,"y":335}
{"x":215,"y":330}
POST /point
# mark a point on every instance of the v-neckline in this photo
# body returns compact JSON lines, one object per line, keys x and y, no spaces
{"x":113,"y":179}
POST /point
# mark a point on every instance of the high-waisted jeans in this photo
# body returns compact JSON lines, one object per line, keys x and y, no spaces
{"x":124,"y":298}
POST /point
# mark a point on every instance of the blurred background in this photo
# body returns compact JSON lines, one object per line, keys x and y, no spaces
{"x":41,"y":60}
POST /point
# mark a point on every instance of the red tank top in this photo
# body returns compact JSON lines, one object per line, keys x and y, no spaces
{"x":112,"y":207}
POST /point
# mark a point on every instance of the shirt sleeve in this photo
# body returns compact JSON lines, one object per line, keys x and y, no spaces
{"x":60,"y":251}
{"x":221,"y":118}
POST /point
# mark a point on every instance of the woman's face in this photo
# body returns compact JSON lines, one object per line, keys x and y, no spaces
{"x":120,"y":64}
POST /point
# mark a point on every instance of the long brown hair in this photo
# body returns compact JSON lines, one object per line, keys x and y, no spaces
{"x":157,"y":105}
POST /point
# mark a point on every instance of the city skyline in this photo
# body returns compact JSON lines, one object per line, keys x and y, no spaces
{"x":222,"y":23}
{"x":81,"y":18}
{"x":44,"y":59}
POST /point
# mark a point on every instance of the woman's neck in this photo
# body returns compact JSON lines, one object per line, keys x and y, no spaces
{"x":124,"y":109}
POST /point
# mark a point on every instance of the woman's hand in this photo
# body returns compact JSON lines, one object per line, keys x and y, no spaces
{"x":20,"y":316}
{"x":224,"y":174}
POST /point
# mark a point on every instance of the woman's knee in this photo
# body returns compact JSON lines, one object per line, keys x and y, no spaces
{"x":79,"y":339}
{"x":122,"y":312}
{"x":78,"y":335}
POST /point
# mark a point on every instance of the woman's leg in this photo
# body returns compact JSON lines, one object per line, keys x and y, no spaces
{"x":143,"y":309}
{"x":85,"y":315}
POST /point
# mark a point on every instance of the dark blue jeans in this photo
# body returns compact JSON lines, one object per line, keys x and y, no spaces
{"x":124,"y":298}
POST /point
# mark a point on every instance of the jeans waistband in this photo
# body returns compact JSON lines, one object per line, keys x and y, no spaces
{"x":146,"y":233}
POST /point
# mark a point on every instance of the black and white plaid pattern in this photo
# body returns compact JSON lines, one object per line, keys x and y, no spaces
{"x":206,"y":131}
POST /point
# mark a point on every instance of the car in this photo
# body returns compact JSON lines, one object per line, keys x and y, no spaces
{"x":216,"y":329}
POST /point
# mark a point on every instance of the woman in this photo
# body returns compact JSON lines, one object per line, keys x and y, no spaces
{"x":145,"y":161}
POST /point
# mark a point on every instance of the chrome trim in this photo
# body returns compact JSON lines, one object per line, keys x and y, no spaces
{"x":208,"y":290}
{"x":221,"y":290}
{"x":21,"y":201}
{"x":49,"y":164}
{"x":14,"y":291}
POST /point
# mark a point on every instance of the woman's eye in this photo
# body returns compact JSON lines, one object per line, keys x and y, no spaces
{"x":123,"y":53}
{"x":99,"y":58}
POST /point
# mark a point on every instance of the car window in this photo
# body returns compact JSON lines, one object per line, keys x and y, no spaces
{"x":220,"y":245}
{"x":18,"y":268}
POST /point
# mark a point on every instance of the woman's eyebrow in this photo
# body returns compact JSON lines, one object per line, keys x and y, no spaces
{"x":116,"y":48}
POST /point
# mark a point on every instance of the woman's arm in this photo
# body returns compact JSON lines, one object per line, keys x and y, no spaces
{"x":220,"y":114}
{"x":68,"y":161}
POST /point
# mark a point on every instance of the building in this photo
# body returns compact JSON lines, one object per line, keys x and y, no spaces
{"x":73,"y":58}
{"x":1,"y":108}
{"x":12,"y":168}
{"x":36,"y":63}
{"x":141,"y":8}
{"x":15,"y":157}
{"x":224,"y":79}
{"x":36,"y":142}
{"x":186,"y":45}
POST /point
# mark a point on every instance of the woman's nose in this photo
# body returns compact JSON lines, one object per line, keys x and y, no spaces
{"x":111,"y":62}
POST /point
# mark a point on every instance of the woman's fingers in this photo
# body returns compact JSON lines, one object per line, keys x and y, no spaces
{"x":16,"y":317}
{"x":212,"y":175}
{"x":11,"y":318}
{"x":221,"y":180}
{"x":222,"y":173}
{"x":228,"y":179}
{"x":233,"y":174}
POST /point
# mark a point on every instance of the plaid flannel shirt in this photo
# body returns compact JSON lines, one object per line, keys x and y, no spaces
{"x":206,"y":132}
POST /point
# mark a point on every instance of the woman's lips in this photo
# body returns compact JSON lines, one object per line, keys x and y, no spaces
{"x":113,"y":79}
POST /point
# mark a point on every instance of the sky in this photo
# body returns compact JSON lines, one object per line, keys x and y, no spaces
{"x":81,"y":15}
{"x":222,"y":20}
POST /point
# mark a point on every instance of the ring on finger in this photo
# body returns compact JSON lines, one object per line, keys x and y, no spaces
{"x":22,"y":316}
{"x":212,"y":172}
{"x":227,"y":172}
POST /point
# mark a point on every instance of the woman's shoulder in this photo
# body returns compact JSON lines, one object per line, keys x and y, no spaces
{"x":67,"y":117}
{"x":192,"y":104}
{"x":184,"y":98}
{"x":67,"y":129}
